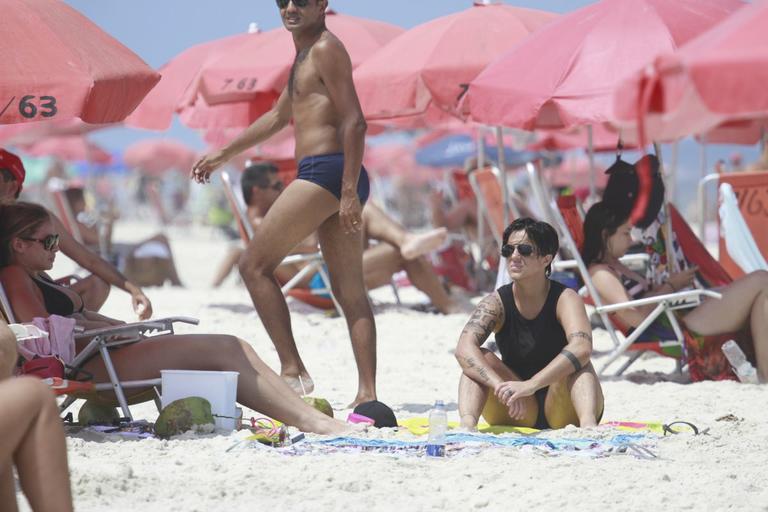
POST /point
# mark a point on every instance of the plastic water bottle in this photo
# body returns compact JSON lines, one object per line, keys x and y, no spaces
{"x":438,"y":425}
{"x":741,"y":367}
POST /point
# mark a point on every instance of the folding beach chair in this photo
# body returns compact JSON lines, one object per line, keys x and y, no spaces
{"x":319,"y":297}
{"x":642,"y":338}
{"x":101,"y":342}
{"x":751,"y":188}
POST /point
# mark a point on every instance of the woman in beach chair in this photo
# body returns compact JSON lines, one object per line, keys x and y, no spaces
{"x":544,"y":378}
{"x":744,"y":302}
{"x":31,"y":438}
{"x":28,"y":246}
{"x":95,"y":288}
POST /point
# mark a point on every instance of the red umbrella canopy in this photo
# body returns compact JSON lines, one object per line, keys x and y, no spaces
{"x":565,"y":74}
{"x":72,"y":148}
{"x":431,"y":64}
{"x":259,"y":67}
{"x":719,"y":76}
{"x":156,"y":156}
{"x":179,"y":76}
{"x":57,"y":64}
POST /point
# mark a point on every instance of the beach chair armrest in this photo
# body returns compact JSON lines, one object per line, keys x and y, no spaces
{"x":160,"y":324}
{"x":670,"y":298}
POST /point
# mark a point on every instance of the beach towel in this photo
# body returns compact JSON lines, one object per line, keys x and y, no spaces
{"x":738,"y":238}
{"x":59,"y":340}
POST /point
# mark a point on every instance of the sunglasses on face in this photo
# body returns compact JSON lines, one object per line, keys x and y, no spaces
{"x":50,"y":242}
{"x":282,"y":4}
{"x":522,"y":249}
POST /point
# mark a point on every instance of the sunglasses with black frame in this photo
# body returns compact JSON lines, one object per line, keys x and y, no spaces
{"x":282,"y":4}
{"x":49,"y":243}
{"x":523,"y":249}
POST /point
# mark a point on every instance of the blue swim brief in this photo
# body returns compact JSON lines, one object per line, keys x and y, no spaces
{"x":328,"y":170}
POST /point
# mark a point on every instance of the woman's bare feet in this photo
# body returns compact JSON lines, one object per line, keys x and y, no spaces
{"x":418,"y":244}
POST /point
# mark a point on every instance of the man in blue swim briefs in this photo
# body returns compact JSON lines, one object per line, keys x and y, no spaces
{"x":327,"y":198}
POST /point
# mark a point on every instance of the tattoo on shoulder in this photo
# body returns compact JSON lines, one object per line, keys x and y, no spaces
{"x":580,"y":334}
{"x":484,"y":319}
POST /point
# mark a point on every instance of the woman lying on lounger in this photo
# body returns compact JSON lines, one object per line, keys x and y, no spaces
{"x":744,"y":302}
{"x":544,"y":378}
{"x":28,"y":245}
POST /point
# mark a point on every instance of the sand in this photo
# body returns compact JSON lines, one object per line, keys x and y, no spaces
{"x":724,"y":469}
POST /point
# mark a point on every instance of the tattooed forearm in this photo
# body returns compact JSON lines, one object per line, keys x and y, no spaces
{"x":579,"y":334}
{"x":481,"y":371}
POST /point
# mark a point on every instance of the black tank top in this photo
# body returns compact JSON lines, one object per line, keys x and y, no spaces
{"x":56,"y":301}
{"x":527,"y":346}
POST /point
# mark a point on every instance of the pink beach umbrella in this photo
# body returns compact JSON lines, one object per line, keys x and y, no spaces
{"x":56,"y":64}
{"x":156,"y":156}
{"x":565,"y":74}
{"x":429,"y":66}
{"x":27,"y":133}
{"x":72,"y":148}
{"x":172,"y":94}
{"x":261,"y":67}
{"x":719,"y":76}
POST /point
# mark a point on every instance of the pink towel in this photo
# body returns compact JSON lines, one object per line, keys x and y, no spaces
{"x":59,"y":342}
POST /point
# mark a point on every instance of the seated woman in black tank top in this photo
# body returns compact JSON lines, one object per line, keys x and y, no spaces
{"x":544,"y":378}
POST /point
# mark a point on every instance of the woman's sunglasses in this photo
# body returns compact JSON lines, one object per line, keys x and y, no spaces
{"x":50,"y":242}
{"x":522,"y":249}
{"x":282,"y":4}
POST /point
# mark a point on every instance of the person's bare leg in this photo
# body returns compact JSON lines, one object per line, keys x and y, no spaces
{"x":743,"y":303}
{"x":423,"y":276}
{"x":295,"y":215}
{"x":258,"y":386}
{"x":7,"y":488}
{"x":94,"y":291}
{"x":576,"y":400}
{"x":343,"y":254}
{"x":380,"y":226}
{"x":31,"y":434}
{"x":227,"y":264}
{"x":476,"y":399}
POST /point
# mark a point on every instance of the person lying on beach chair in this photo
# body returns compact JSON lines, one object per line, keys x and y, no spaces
{"x":544,"y":378}
{"x":95,"y":288}
{"x":28,"y":246}
{"x":396,"y":249}
{"x":147,"y":263}
{"x":31,"y":438}
{"x":744,"y":302}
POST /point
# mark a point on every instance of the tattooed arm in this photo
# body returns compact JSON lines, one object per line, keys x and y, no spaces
{"x":487,"y":317}
{"x":573,"y":317}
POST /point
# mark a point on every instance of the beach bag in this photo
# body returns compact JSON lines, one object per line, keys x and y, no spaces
{"x":44,"y":367}
{"x":623,"y":188}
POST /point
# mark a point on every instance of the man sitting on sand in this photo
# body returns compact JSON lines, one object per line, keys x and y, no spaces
{"x":396,"y":249}
{"x":95,"y":288}
{"x":544,"y":378}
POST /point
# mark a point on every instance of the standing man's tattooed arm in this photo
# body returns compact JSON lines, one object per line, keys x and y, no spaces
{"x":487,"y":317}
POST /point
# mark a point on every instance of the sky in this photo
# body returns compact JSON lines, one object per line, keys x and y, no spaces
{"x":157,"y":30}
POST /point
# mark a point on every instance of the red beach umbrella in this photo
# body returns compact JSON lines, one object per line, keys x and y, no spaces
{"x":180,"y":75}
{"x":261,"y":67}
{"x":57,"y":64}
{"x":565,"y":74}
{"x":719,"y":76}
{"x":430,"y":65}
{"x":156,"y":156}
{"x":72,"y":148}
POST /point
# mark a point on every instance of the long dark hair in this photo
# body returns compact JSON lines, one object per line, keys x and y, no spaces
{"x":600,"y":223}
{"x":18,"y":220}
{"x":543,"y":236}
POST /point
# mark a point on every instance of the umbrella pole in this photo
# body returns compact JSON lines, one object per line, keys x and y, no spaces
{"x":673,"y":172}
{"x":503,"y":173}
{"x":672,"y":264}
{"x":592,"y":170}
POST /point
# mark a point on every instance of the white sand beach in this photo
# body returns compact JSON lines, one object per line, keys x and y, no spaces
{"x":724,"y":469}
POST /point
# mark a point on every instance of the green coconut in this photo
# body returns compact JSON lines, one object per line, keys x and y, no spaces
{"x":321,"y":404}
{"x":191,"y":413}
{"x":94,"y":413}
